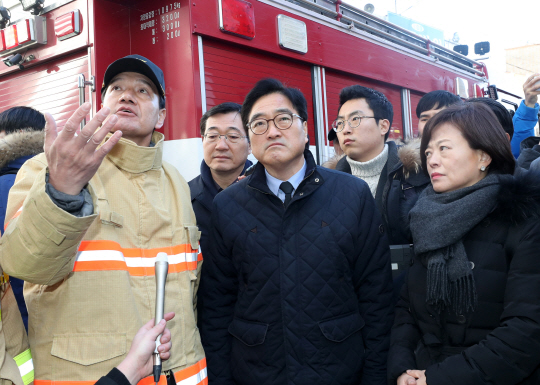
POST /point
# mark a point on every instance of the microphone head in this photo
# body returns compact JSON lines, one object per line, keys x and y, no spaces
{"x":162,"y":257}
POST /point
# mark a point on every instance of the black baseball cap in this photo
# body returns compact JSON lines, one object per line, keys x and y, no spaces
{"x":139,"y":64}
{"x":332,"y":135}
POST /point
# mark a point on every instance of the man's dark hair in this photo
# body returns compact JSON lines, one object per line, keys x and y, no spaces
{"x":21,"y":118}
{"x":503,"y":115}
{"x":435,"y":100}
{"x":480,"y":127}
{"x":161,"y":98}
{"x":271,"y":86}
{"x":377,"y":102}
{"x":223,"y":108}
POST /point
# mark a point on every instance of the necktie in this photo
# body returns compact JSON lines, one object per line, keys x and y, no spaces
{"x":287,"y":188}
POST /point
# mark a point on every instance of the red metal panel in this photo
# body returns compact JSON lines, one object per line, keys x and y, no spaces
{"x":232,"y":71}
{"x":332,"y":48}
{"x":336,"y":81}
{"x":415,"y":98}
{"x":54,"y":47}
{"x":49,"y":87}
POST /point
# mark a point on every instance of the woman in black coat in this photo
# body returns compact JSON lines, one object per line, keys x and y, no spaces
{"x":470,"y":310}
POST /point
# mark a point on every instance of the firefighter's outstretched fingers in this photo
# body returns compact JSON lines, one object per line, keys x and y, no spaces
{"x":73,"y":159}
{"x":73,"y":124}
{"x":107,"y":146}
{"x":96,"y":129}
{"x":50,"y":131}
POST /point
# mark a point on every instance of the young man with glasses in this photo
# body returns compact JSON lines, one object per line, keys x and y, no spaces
{"x":393,"y":175}
{"x":225,"y":149}
{"x":297,"y":276}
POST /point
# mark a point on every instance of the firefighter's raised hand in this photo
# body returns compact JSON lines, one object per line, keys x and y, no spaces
{"x":72,"y":154}
{"x":531,"y":88}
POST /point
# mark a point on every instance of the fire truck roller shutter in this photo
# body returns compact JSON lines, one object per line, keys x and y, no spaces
{"x":336,"y":81}
{"x":231,"y":72}
{"x":49,"y":87}
{"x":415,"y":98}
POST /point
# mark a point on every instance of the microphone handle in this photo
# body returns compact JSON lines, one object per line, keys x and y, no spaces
{"x":162,"y":269}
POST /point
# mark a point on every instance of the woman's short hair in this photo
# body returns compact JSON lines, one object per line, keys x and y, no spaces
{"x":482,"y":130}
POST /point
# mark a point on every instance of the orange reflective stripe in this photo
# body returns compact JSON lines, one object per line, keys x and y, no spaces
{"x":109,"y":255}
{"x":192,"y":375}
{"x":19,"y":211}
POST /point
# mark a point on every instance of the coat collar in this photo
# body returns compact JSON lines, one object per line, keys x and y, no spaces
{"x":394,"y":163}
{"x":203,"y":187}
{"x":135,"y":159}
{"x":257,"y":179}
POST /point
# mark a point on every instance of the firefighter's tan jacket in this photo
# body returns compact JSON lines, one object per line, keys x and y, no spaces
{"x":90,"y":281}
{"x":16,"y":366}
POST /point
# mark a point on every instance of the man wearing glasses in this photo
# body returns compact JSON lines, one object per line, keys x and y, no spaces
{"x":225,"y":148}
{"x":298,"y":280}
{"x":393,"y":175}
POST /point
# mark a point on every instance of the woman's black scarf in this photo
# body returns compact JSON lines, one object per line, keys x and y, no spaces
{"x":439,"y":221}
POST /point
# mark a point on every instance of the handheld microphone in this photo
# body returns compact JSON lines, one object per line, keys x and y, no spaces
{"x":162,"y":268}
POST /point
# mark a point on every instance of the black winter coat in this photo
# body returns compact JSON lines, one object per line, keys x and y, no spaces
{"x":529,"y":151}
{"x":499,"y":343}
{"x":297,"y":295}
{"x":203,"y":190}
{"x":398,"y":188}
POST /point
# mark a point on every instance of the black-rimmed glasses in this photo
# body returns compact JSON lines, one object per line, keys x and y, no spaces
{"x":354,"y":121}
{"x":282,"y":122}
{"x":232,"y":137}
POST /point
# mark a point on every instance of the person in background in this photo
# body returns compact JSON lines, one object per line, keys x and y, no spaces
{"x":525,"y":118}
{"x":338,"y":152}
{"x":470,"y":310}
{"x":23,"y":127}
{"x":394,"y":176}
{"x":431,"y":103}
{"x":225,"y":149}
{"x":16,"y":365}
{"x":298,"y":280}
{"x":501,"y":113}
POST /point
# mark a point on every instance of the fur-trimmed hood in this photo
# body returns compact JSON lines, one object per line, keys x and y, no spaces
{"x":409,"y":155}
{"x":21,"y":143}
{"x":519,"y":198}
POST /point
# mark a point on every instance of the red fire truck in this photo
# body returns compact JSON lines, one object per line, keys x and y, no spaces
{"x":213,"y":51}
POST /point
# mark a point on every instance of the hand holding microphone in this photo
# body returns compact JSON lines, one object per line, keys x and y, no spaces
{"x":138,"y":362}
{"x":161,"y":268}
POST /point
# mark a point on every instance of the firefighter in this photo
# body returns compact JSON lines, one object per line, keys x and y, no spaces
{"x":16,"y":365}
{"x":86,"y":221}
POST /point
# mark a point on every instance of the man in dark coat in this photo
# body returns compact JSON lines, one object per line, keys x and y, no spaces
{"x":23,"y":128}
{"x":394,"y":176}
{"x":298,"y":272}
{"x":226,"y":148}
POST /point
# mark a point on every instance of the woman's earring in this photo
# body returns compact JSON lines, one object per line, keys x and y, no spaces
{"x":483,"y":168}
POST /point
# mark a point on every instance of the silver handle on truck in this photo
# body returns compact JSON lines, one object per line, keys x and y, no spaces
{"x":82,"y":83}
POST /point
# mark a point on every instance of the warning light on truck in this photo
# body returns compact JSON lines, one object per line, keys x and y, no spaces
{"x":68,"y":25}
{"x":237,"y":17}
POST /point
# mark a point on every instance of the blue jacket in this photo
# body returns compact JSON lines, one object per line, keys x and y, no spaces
{"x":524,"y":121}
{"x":299,"y":294}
